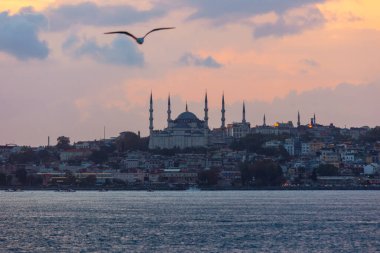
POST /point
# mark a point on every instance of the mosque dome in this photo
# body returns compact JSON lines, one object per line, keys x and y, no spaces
{"x":187,"y":116}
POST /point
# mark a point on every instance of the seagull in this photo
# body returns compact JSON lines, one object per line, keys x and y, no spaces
{"x":140,"y":40}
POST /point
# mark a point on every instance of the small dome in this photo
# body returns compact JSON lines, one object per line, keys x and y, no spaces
{"x":187,"y":116}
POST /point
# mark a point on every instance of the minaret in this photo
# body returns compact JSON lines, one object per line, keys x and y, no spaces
{"x":264,"y":121}
{"x":243,"y":121}
{"x":298,"y":119}
{"x":223,"y":114}
{"x":151,"y":114}
{"x":169,"y":111}
{"x":314,"y":121}
{"x":206,"y":111}
{"x":186,"y":107}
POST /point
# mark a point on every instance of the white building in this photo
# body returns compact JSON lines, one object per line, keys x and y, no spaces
{"x":239,"y":129}
{"x":186,"y":131}
{"x":348,"y":156}
{"x":306,"y":148}
{"x":371,"y":169}
{"x":289,"y":146}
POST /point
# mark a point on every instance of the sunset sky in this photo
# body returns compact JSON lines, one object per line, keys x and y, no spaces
{"x":60,"y":75}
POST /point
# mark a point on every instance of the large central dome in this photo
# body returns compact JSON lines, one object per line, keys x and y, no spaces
{"x":187,"y":116}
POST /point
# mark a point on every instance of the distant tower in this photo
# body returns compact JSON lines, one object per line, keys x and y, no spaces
{"x":48,"y":141}
{"x":169,"y":111}
{"x":243,"y":121}
{"x":298,"y":119}
{"x":314,"y":121}
{"x":187,"y":109}
{"x":264,"y":121}
{"x":206,"y":111}
{"x":151,"y":114}
{"x":223,"y":114}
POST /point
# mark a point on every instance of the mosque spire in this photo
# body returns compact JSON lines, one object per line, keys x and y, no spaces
{"x":223,"y":113}
{"x":243,"y":121}
{"x":298,"y":119}
{"x":151,"y":113}
{"x":264,"y":121}
{"x":206,"y":111}
{"x":169,"y":110}
{"x":314,"y":120}
{"x":187,"y":107}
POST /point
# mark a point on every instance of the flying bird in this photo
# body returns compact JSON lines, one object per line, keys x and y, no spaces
{"x":140,"y":40}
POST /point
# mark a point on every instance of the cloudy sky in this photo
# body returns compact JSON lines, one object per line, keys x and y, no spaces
{"x":60,"y":75}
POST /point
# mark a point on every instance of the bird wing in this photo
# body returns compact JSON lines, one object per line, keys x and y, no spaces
{"x":157,"y":29}
{"x":123,"y":32}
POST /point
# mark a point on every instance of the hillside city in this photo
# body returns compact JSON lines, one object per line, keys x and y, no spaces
{"x":279,"y":156}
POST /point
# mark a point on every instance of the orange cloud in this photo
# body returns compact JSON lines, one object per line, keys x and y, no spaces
{"x":15,"y":5}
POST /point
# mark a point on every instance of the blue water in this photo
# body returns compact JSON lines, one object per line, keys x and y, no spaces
{"x":220,"y":221}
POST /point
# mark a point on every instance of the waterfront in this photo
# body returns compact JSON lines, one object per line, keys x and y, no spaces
{"x":190,"y":221}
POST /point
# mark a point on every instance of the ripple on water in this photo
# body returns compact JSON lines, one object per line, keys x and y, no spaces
{"x":273,"y":221}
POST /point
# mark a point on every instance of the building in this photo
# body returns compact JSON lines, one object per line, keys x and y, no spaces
{"x":186,"y":131}
{"x":74,"y":154}
{"x":330,"y":156}
{"x":239,"y":129}
{"x":289,"y":146}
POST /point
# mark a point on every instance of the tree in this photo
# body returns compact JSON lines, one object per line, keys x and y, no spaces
{"x":99,"y":156}
{"x":45,"y":156}
{"x":131,"y":141}
{"x":9,"y":179}
{"x":70,"y":179}
{"x":34,"y":180}
{"x":27,"y":155}
{"x":208,"y":177}
{"x":246,"y":173}
{"x":63,"y":142}
{"x":373,"y":135}
{"x":90,"y":180}
{"x":313,"y":176}
{"x":327,"y":170}
{"x":21,"y":176}
{"x":3,"y":179}
{"x":265,"y":173}
{"x":251,"y":142}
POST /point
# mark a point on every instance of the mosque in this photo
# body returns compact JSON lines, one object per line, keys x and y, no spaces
{"x":187,"y":130}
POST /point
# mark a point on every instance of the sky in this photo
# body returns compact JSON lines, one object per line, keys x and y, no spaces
{"x":61,"y":75}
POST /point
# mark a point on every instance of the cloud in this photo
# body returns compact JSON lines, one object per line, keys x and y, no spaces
{"x":223,"y":11}
{"x":331,"y":105}
{"x":310,"y":63}
{"x":70,"y":42}
{"x":190,"y":59}
{"x":88,"y":13}
{"x":120,"y":52}
{"x":289,"y":24}
{"x":19,"y":34}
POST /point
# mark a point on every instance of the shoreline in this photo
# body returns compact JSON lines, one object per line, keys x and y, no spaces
{"x":211,"y":188}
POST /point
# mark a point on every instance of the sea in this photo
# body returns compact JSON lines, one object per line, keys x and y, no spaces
{"x":190,"y":221}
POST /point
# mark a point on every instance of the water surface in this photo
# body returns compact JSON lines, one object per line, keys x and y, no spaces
{"x":204,"y":221}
